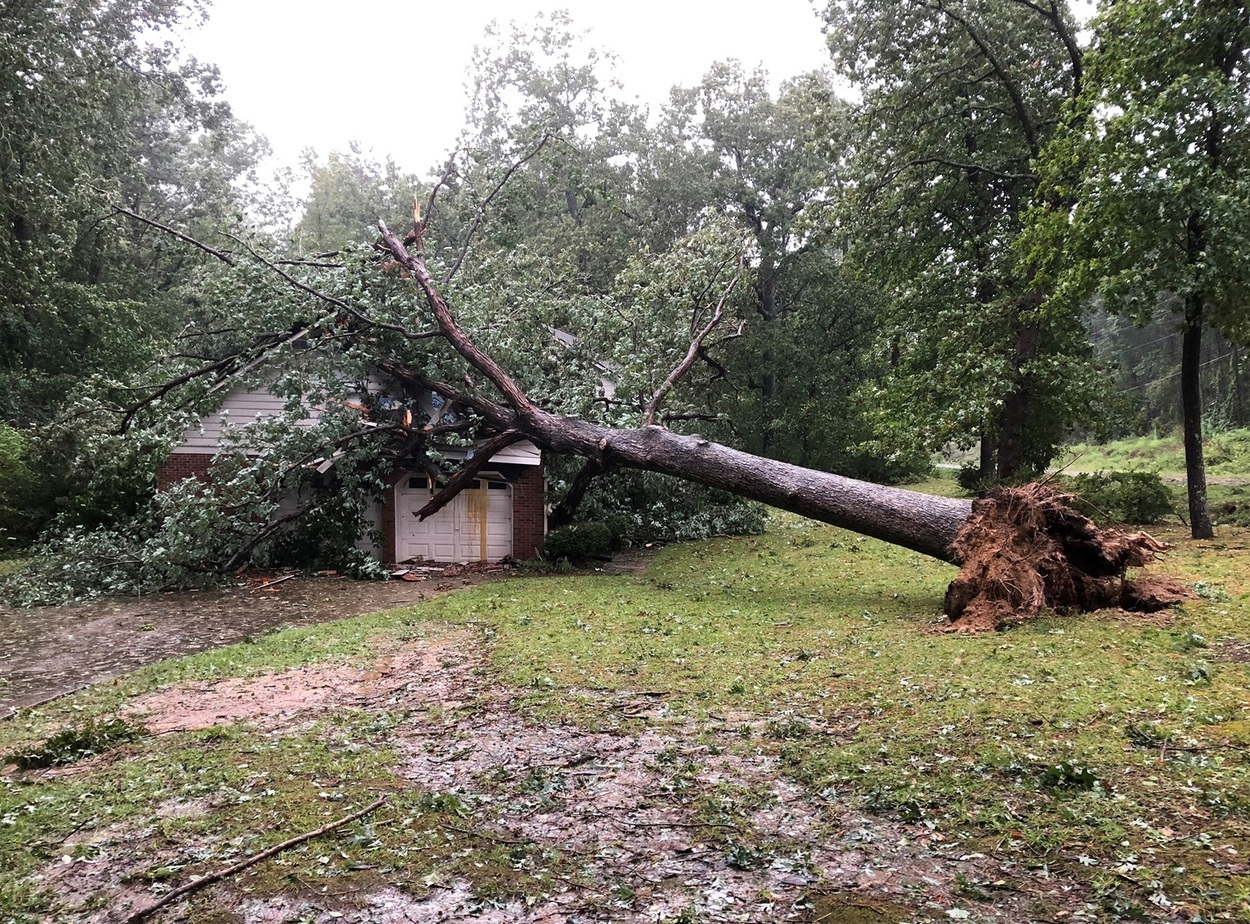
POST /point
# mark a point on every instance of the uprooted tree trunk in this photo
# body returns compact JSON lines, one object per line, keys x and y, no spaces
{"x":1020,"y":550}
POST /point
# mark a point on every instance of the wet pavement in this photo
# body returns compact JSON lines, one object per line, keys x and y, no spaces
{"x":49,"y":651}
{"x":53,"y":650}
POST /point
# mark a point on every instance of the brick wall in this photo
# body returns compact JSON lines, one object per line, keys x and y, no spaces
{"x":529,"y":513}
{"x":182,"y":465}
{"x":387,"y":518}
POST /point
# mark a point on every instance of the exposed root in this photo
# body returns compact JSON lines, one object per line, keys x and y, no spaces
{"x":1024,"y":549}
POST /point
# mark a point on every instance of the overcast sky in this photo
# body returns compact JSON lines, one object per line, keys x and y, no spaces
{"x":312,"y":73}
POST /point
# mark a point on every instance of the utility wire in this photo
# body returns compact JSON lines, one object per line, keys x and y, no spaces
{"x":1172,"y":375}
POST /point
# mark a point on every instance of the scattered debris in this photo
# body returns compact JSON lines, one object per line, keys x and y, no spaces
{"x":269,"y":583}
{"x":670,"y":821}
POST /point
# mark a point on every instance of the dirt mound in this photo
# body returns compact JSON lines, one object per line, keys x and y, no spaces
{"x":1025,"y":549}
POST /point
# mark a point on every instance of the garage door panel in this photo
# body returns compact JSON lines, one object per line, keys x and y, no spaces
{"x":455,"y":532}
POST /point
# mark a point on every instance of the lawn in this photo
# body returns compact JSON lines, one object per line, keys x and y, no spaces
{"x":749,"y":730}
{"x":1226,"y":453}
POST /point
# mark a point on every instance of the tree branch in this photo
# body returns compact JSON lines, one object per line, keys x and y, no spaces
{"x":481,"y":209}
{"x":221,"y":255}
{"x":1004,"y":79}
{"x":692,"y":354}
{"x":442,"y":181}
{"x":482,"y":456}
{"x":1054,"y":15}
{"x":335,"y":300}
{"x":497,"y":415}
{"x":451,"y":329}
{"x":184,"y":890}
{"x":567,"y":508}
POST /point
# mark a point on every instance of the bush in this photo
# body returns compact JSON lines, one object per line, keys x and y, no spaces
{"x":579,"y":542}
{"x":16,"y":483}
{"x":265,"y":507}
{"x":644,"y":507}
{"x":1127,"y":497}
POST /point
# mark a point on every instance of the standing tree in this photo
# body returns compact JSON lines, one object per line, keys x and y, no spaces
{"x":958,"y":99}
{"x":1147,"y":190}
{"x":100,"y":109}
{"x":101,"y":113}
{"x":791,"y":384}
{"x":348,"y":194}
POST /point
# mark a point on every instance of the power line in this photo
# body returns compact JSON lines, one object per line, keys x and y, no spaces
{"x":1172,"y":375}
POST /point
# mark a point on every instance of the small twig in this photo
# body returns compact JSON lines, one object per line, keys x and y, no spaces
{"x":190,"y":887}
{"x":481,"y":209}
{"x":488,"y":835}
{"x":462,"y":753}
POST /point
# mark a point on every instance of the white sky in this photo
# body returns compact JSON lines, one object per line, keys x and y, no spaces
{"x":391,"y":76}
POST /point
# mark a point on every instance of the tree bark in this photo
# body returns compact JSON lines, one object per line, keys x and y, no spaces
{"x":1191,"y":411}
{"x":1238,"y":392}
{"x":1017,"y":405}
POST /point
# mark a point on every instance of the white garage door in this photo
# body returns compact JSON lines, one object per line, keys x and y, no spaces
{"x":475,"y":526}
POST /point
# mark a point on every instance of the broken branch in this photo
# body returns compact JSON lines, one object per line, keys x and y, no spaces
{"x":451,"y":328}
{"x":692,"y":354}
{"x":457,"y":482}
{"x":184,"y":890}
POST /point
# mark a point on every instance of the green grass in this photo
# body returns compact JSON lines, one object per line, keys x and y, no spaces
{"x":1111,"y":749}
{"x":1227,"y":453}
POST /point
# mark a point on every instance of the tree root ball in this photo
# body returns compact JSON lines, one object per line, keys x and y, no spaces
{"x":1025,"y":549}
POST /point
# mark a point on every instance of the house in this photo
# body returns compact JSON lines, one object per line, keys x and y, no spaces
{"x":502,"y":514}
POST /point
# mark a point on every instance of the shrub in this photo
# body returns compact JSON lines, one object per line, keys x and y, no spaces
{"x":579,"y":542}
{"x":1128,"y":497}
{"x":188,"y":536}
{"x":644,"y":507}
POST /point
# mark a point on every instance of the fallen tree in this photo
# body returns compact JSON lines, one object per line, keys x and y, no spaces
{"x":1019,"y":550}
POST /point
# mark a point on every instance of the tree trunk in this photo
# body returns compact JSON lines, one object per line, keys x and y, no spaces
{"x":564,"y":511}
{"x":1017,"y":406}
{"x":1237,"y":389}
{"x":988,"y":459}
{"x":1191,"y":410}
{"x":920,"y":522}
